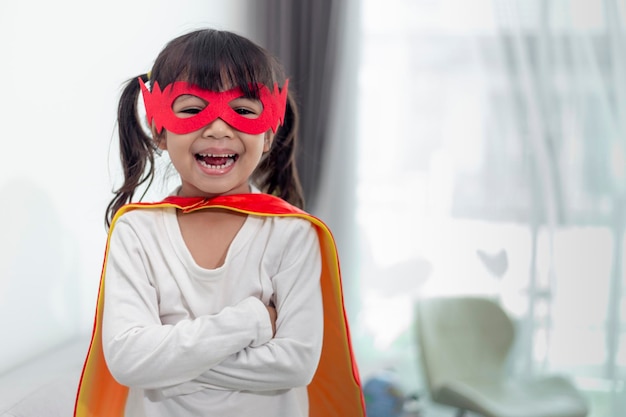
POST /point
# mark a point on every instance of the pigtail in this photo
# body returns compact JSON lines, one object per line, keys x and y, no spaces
{"x":278,"y":174}
{"x":136,"y":149}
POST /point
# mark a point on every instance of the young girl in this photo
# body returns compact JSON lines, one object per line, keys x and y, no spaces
{"x":224,"y":299}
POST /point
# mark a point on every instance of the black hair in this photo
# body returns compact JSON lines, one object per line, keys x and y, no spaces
{"x":213,"y":60}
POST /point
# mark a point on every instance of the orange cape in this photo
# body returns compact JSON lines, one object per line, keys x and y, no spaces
{"x":336,"y":388}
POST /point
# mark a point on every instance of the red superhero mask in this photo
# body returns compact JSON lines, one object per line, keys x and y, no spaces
{"x":159,"y":108}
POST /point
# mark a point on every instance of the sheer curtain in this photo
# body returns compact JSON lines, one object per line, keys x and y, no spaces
{"x":492,"y":161}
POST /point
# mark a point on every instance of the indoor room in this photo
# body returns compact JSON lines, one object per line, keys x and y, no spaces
{"x":468,"y":158}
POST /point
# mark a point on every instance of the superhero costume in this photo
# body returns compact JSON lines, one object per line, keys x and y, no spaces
{"x":335,"y":389}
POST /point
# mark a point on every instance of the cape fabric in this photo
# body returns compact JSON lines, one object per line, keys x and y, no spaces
{"x":335,"y":389}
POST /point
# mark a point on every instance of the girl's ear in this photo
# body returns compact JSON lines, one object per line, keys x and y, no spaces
{"x":269,"y":139}
{"x":159,"y":138}
{"x":161,"y":143}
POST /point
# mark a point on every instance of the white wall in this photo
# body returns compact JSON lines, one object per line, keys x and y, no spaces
{"x":62,"y":64}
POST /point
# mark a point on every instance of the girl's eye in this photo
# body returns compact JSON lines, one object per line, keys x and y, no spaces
{"x":245,"y":112}
{"x":188,"y":105}
{"x":191,"y":111}
{"x":246,"y":107}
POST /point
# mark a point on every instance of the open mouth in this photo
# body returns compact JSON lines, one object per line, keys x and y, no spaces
{"x":213,"y":161}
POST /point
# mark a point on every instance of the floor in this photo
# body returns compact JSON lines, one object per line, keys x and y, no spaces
{"x":427,"y":409}
{"x":57,"y":375}
{"x":46,"y":386}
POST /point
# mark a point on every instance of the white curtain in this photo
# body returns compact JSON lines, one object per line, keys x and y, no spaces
{"x":492,"y":160}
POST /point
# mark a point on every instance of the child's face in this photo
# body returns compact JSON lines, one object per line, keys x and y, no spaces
{"x":216,"y":159}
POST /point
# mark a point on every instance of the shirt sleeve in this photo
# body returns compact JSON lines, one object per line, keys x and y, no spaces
{"x":290,"y":359}
{"x":142,"y":352}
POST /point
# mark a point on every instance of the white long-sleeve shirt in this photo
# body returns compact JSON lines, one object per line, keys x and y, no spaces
{"x":190,"y":341}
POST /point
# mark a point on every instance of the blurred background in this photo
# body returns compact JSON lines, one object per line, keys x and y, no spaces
{"x":454,"y":147}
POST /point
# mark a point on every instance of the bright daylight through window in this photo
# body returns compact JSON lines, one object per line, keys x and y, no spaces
{"x":492,"y":161}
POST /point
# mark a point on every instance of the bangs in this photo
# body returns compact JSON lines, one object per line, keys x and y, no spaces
{"x":218,"y":61}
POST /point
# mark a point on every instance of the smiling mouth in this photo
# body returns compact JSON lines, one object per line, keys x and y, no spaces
{"x":213,"y":161}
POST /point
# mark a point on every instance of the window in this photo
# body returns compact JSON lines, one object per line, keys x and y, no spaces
{"x":492,"y":161}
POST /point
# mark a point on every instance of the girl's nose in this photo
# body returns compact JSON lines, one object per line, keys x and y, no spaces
{"x":218,"y":129}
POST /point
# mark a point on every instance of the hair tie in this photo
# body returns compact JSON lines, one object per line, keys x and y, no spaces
{"x":149,"y":74}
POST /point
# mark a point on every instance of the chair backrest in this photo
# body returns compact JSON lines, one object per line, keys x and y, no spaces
{"x":462,"y":338}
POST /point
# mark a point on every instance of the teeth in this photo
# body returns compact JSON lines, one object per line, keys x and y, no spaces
{"x":230,"y":159}
{"x":229,"y":163}
{"x":213,"y":155}
{"x":216,"y":166}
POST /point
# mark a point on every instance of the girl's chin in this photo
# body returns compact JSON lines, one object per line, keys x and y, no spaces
{"x":213,"y":190}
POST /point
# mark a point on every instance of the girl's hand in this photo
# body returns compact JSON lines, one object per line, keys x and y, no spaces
{"x":272,"y":312}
